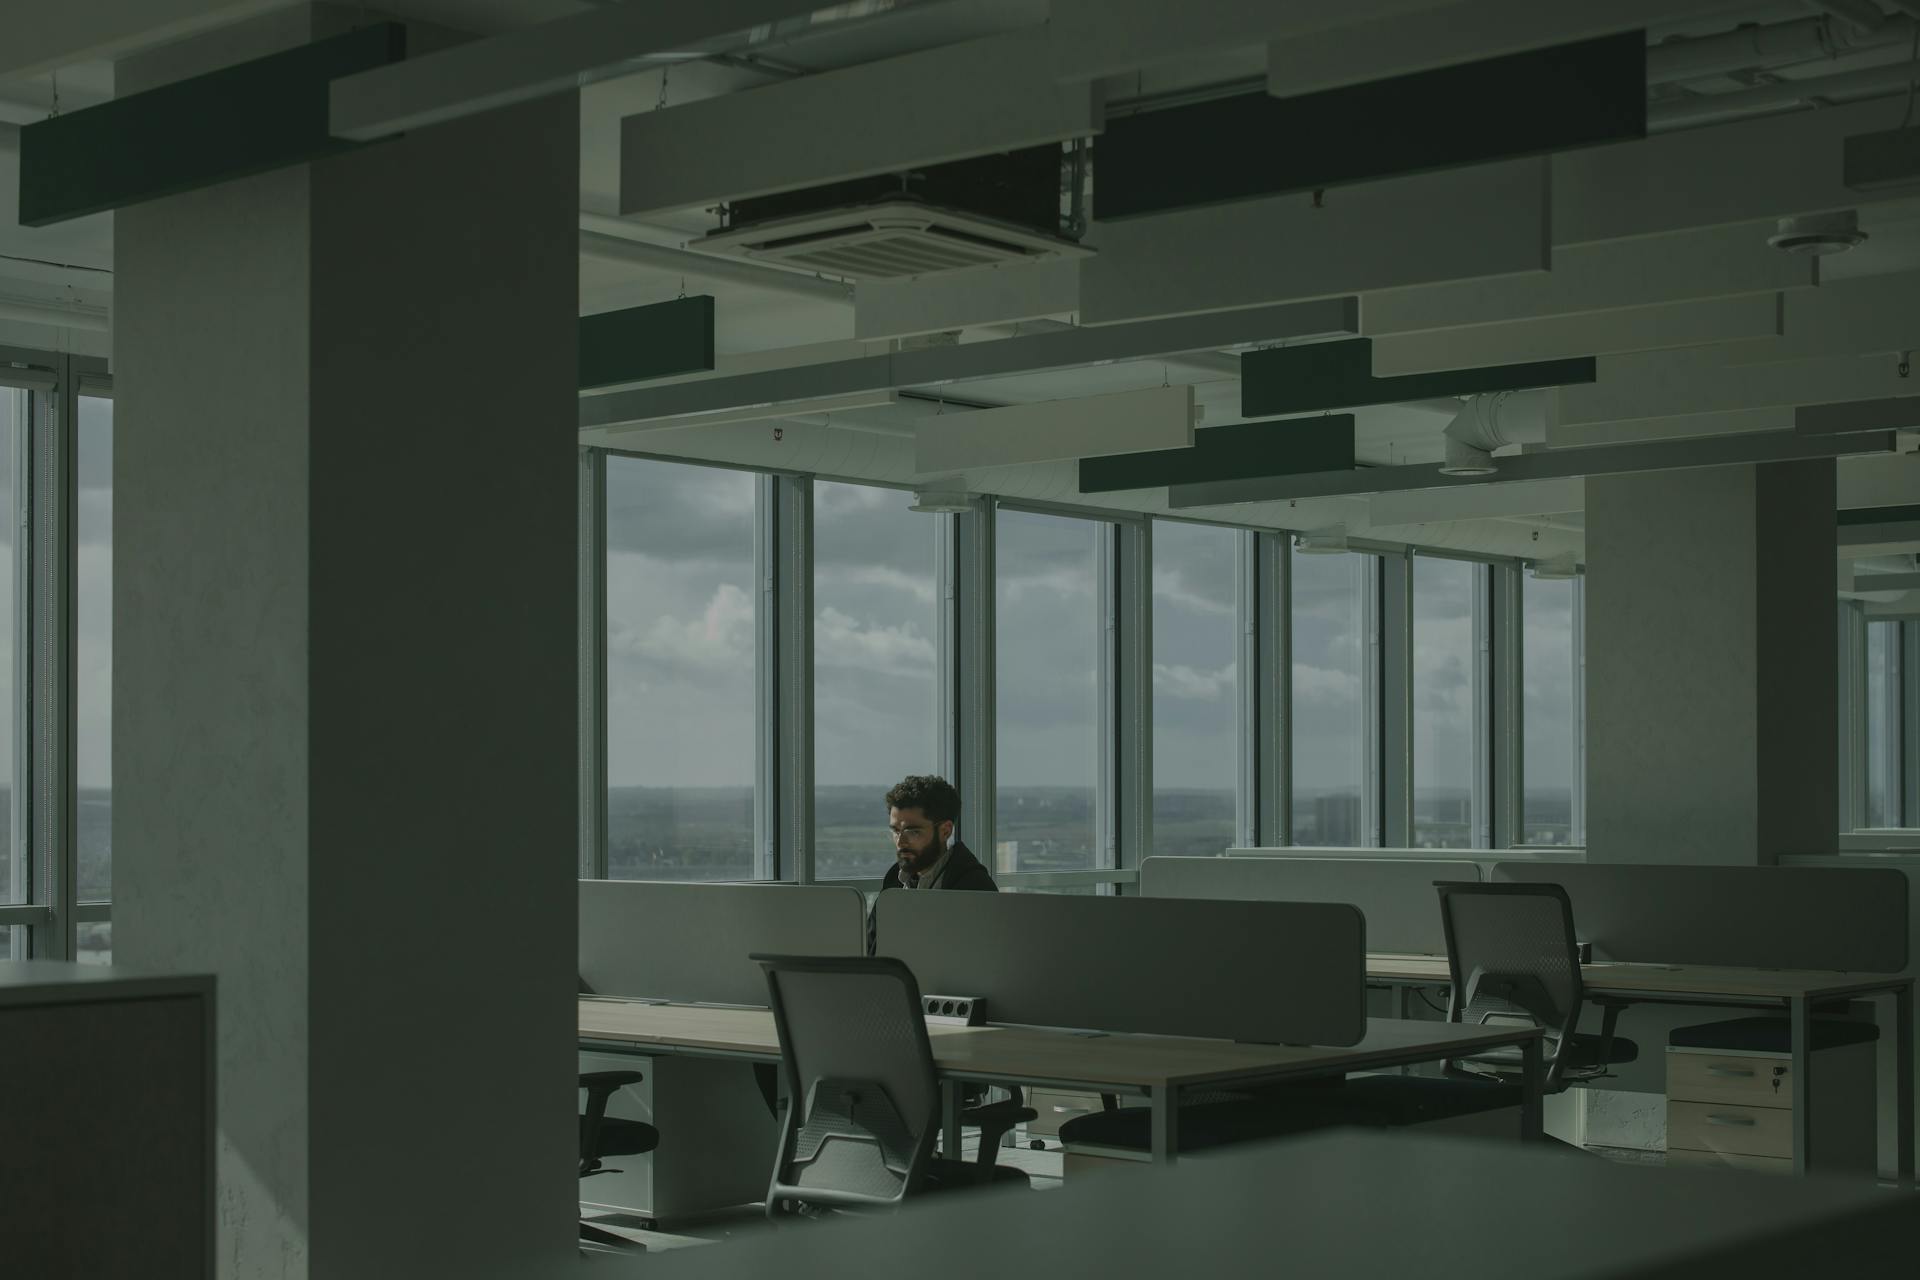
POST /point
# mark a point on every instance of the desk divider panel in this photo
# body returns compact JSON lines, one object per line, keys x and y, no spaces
{"x":690,"y":942}
{"x":1256,"y":972}
{"x":1396,"y":896}
{"x":1852,"y":919}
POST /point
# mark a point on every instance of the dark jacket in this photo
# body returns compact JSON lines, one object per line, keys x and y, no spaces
{"x":964,"y":871}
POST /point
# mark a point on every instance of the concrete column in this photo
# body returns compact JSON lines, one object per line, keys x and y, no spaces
{"x":344,"y":717}
{"x":1711,"y":664}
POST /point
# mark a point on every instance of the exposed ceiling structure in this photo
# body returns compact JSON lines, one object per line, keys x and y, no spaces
{"x":855,"y":186}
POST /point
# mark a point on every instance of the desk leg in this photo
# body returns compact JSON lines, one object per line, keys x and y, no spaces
{"x":1532,"y":1092}
{"x":950,"y":1120}
{"x":1166,"y":1124}
{"x":1800,"y":1036}
{"x":1403,"y":1010}
{"x":1903,"y":1081}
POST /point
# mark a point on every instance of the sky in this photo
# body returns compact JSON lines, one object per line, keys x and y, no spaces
{"x":681,"y":595}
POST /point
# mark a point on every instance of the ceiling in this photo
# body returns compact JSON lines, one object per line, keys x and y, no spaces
{"x":764,"y":321}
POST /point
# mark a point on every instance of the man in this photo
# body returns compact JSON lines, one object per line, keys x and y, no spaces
{"x":920,"y":814}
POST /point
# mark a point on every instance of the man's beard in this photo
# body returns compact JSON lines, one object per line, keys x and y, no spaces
{"x":925,"y":858}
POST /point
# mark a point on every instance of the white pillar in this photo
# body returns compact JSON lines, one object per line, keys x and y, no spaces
{"x":344,"y":691}
{"x":1711,"y":664}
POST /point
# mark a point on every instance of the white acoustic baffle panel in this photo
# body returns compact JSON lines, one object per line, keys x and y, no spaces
{"x":895,"y":307}
{"x":1486,"y":220}
{"x":1124,"y":422}
{"x":1714,"y":262}
{"x":1757,"y":317}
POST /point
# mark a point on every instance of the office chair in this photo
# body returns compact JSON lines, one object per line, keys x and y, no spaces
{"x":864,"y":1101}
{"x":1513,"y":957}
{"x":602,"y":1135}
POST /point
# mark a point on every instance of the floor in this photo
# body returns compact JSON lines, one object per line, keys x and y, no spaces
{"x":1042,"y":1169}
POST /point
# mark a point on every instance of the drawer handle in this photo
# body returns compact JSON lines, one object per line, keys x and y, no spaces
{"x":1736,"y":1073}
{"x":1737,"y":1122}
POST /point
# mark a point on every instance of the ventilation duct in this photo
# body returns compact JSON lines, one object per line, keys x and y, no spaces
{"x":1489,"y":422}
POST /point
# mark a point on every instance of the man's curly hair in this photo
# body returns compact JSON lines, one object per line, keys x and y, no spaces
{"x":929,"y":793}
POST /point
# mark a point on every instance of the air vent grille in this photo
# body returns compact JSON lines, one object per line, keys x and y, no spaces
{"x":883,"y":241}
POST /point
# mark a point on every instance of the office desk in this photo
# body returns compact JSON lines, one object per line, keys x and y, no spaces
{"x":1796,"y":991}
{"x":1154,"y":1067}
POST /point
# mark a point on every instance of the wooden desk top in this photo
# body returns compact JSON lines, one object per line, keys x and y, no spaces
{"x":1027,"y":1053}
{"x":1665,"y":980}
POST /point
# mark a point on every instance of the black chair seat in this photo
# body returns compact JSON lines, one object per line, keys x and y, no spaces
{"x":1582,"y":1055}
{"x":955,"y":1175}
{"x":621,"y":1137}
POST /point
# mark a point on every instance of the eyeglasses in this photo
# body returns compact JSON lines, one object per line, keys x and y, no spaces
{"x":911,"y":833}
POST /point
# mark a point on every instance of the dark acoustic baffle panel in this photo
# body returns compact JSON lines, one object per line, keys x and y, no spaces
{"x":655,"y":341}
{"x":1395,"y":894}
{"x":1339,"y":375}
{"x":1254,"y":144}
{"x":241,"y":120}
{"x":1298,"y":446}
{"x":689,"y":943}
{"x":1256,"y":972}
{"x":1847,"y":918}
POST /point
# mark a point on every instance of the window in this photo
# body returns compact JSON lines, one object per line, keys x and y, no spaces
{"x":13,"y":845}
{"x":876,"y":625}
{"x":1196,"y":742}
{"x":1331,"y":645}
{"x":1448,"y":689}
{"x":93,"y":665}
{"x":1550,"y":711}
{"x":1883,"y":725}
{"x":682,"y":601}
{"x":1049,"y":625}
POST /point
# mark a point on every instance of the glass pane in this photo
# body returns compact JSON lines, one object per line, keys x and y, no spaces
{"x":13,"y":868}
{"x":1196,"y":736}
{"x":93,"y":603}
{"x":876,"y":621}
{"x":680,"y":671}
{"x":1883,"y":719}
{"x":1548,"y":712}
{"x":94,"y":942}
{"x":1330,"y":651}
{"x":1444,"y":698}
{"x":7,"y":935}
{"x":1047,"y":699}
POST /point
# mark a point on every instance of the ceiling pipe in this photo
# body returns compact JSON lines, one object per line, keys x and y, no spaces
{"x":1773,"y":44}
{"x":1870,"y":82}
{"x":1489,"y":422}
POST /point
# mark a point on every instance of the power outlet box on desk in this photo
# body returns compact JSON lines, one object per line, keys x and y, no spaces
{"x":955,"y":1011}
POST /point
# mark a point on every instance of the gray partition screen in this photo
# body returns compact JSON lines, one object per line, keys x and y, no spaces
{"x":1757,"y":917}
{"x":1396,"y":896}
{"x":690,"y":942}
{"x":1260,"y":972}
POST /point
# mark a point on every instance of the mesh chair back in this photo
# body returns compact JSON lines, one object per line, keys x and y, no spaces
{"x":1513,"y":956}
{"x":865,"y":1105}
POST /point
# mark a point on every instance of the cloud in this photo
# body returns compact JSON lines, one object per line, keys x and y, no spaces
{"x":919,"y":586}
{"x":1178,"y":680}
{"x":1326,"y":687}
{"x":720,"y":637}
{"x":842,"y":641}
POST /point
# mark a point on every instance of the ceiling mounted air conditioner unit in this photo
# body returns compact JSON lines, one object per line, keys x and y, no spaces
{"x":898,"y":238}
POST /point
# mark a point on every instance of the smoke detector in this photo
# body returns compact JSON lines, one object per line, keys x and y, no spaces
{"x":1818,"y":233}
